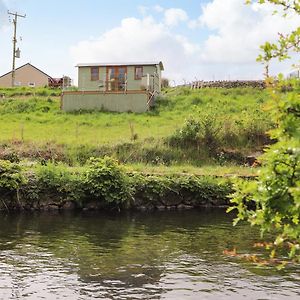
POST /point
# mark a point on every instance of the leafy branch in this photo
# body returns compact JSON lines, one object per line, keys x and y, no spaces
{"x":272,"y":202}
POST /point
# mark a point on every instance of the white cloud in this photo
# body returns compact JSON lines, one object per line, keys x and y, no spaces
{"x":3,"y":14}
{"x":233,"y":33}
{"x":174,"y":16}
{"x":158,"y":8}
{"x":239,"y":30}
{"x":193,"y":24}
{"x":146,"y":10}
{"x":143,"y":9}
{"x":138,"y":40}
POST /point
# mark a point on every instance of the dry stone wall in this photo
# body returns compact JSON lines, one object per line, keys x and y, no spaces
{"x":228,"y":84}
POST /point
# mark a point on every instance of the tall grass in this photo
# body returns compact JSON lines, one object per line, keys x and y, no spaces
{"x":223,"y":119}
{"x":29,"y":91}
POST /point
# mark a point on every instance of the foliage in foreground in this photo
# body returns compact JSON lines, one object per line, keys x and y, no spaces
{"x":276,"y":193}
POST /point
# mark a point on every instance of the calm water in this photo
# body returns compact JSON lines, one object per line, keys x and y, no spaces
{"x":163,"y":255}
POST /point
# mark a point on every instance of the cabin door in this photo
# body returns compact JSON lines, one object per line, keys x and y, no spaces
{"x":116,"y":78}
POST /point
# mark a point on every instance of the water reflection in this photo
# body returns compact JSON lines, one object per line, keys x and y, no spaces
{"x":163,"y":255}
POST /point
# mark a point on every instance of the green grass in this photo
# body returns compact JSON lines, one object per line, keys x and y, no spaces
{"x":28,"y":91}
{"x":36,"y":116}
{"x":33,"y":116}
{"x":206,"y":170}
{"x":230,"y":170}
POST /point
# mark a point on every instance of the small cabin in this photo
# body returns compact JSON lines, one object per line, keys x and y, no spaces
{"x":115,"y":87}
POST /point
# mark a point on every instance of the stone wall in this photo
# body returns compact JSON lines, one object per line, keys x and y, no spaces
{"x":227,"y":84}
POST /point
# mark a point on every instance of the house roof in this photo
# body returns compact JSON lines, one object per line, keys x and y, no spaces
{"x":122,"y":64}
{"x":24,"y":66}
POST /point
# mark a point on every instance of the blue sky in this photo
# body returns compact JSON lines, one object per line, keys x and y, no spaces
{"x":209,"y":39}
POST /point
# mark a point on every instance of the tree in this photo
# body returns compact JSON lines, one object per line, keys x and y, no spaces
{"x":165,"y":83}
{"x":273,"y":200}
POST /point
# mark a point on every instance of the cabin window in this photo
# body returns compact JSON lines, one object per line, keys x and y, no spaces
{"x":138,"y":73}
{"x":94,"y":73}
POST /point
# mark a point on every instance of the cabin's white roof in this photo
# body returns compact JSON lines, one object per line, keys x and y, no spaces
{"x":122,"y":64}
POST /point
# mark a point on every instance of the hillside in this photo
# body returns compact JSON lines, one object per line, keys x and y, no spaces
{"x":190,"y":127}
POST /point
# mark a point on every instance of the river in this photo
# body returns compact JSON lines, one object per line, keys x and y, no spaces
{"x":157,"y":255}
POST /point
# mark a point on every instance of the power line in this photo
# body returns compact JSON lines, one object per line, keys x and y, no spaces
{"x":16,"y":52}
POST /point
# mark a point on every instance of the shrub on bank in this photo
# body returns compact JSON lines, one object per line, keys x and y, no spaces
{"x":212,"y":133}
{"x":187,"y":135}
{"x":58,"y":182}
{"x":103,"y":183}
{"x":11,"y":177}
{"x":173,"y":191}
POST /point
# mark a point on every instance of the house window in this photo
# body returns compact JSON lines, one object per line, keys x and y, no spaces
{"x":138,"y":73}
{"x":94,"y":73}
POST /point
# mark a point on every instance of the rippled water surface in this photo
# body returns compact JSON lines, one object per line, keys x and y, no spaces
{"x":162,"y":255}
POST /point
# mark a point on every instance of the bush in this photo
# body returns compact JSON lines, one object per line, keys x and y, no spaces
{"x":203,"y":132}
{"x":59,"y":182}
{"x":18,"y":106}
{"x":105,"y":181}
{"x":195,"y":99}
{"x":173,"y":190}
{"x":104,"y":185}
{"x":9,"y":155}
{"x":11,"y":177}
{"x":187,"y":135}
{"x":209,"y":132}
{"x":203,"y":190}
{"x":26,"y":106}
{"x":165,"y":83}
{"x":162,"y":102}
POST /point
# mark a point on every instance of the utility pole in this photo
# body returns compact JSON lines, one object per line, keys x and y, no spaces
{"x":16,"y":52}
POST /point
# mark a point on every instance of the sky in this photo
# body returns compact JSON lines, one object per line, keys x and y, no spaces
{"x":195,"y":39}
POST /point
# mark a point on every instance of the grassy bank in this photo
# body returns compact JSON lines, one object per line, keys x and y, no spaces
{"x":187,"y":127}
{"x":104,"y":184}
